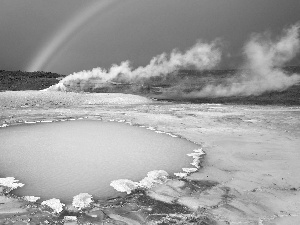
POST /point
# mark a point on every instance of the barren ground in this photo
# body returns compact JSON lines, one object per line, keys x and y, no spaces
{"x":250,"y":174}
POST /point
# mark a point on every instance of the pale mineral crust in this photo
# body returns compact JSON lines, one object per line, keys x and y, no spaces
{"x":249,"y":175}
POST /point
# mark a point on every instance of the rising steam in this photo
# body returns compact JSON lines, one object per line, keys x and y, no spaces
{"x":262,"y":70}
{"x":200,"y":56}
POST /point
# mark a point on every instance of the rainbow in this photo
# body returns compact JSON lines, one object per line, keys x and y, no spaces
{"x":64,"y":33}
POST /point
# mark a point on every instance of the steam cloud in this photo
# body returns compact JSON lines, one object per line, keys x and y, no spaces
{"x":261,"y":71}
{"x":200,"y":56}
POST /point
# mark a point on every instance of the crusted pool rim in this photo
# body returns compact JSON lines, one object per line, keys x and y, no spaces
{"x":153,"y":178}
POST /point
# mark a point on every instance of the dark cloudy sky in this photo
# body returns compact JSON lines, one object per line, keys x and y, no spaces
{"x":111,"y":31}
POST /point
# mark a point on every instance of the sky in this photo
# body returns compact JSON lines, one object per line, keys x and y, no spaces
{"x":66,"y":36}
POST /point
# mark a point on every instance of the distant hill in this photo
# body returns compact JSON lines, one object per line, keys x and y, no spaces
{"x":19,"y":80}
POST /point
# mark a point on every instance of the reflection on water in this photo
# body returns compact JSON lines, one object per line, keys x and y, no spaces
{"x":63,"y":159}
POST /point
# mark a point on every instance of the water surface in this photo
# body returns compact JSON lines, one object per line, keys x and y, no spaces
{"x":63,"y":159}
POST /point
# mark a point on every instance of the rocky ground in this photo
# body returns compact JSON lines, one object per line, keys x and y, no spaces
{"x":20,"y":80}
{"x":250,"y":173}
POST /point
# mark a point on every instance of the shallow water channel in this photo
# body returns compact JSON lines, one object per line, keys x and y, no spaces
{"x":63,"y":159}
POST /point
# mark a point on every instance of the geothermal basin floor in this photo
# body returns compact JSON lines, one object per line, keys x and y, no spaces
{"x":250,"y":173}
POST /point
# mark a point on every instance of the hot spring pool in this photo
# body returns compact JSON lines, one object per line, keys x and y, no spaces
{"x":63,"y":159}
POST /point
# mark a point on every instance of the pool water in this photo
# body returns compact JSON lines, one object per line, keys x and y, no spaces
{"x":63,"y":159}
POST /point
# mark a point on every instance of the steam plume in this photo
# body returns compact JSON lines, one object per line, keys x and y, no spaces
{"x":262,"y":71}
{"x":200,"y":56}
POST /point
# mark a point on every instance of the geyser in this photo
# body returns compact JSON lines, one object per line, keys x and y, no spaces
{"x":63,"y":159}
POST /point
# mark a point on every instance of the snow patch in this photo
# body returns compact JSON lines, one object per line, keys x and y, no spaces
{"x":181,"y":174}
{"x":124,"y":185}
{"x":31,"y":198}
{"x":70,"y":218}
{"x":152,"y":178}
{"x":197,"y":155}
{"x":54,"y":204}
{"x":189,"y":170}
{"x":82,"y":200}
{"x":10,"y":182}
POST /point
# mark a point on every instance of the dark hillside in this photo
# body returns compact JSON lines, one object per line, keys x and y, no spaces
{"x":19,"y":80}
